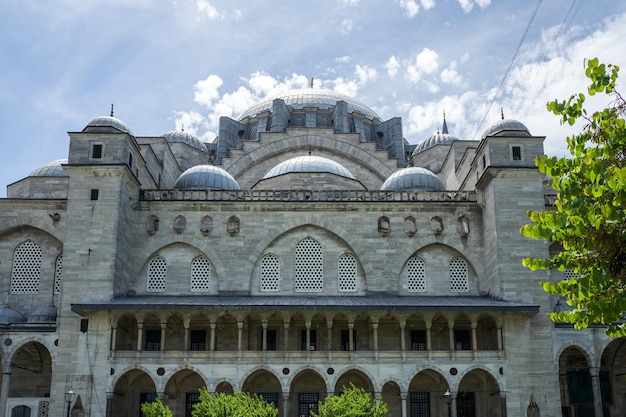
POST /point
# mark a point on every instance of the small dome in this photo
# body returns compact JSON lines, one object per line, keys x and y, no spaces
{"x":51,"y":169}
{"x":413,"y":179}
{"x":206,"y":177}
{"x":44,"y":315}
{"x":180,"y":136}
{"x":309,"y":163}
{"x":108,"y":121}
{"x":507,"y":125}
{"x":311,"y":97}
{"x":436,"y":139}
{"x":10,"y":316}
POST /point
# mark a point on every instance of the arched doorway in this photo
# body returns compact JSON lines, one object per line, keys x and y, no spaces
{"x":31,"y":375}
{"x":133,"y":388}
{"x":183,"y":391}
{"x":478,"y":395}
{"x":356,"y":378}
{"x":265,"y":385}
{"x":426,"y":395}
{"x":391,"y":397}
{"x":307,"y":389}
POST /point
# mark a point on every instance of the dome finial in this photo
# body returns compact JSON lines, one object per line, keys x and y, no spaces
{"x":311,"y":82}
{"x":182,"y":128}
{"x":111,"y":109}
{"x":444,"y":129}
{"x":501,"y":113}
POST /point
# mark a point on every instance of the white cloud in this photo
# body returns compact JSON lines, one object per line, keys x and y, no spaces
{"x":350,"y":2}
{"x":428,"y":4}
{"x":206,"y":91}
{"x":450,"y":75}
{"x":365,"y":74}
{"x":427,"y":61}
{"x":237,"y":14}
{"x":344,"y":59}
{"x":347,"y":87}
{"x":468,"y":5}
{"x":392,"y":65}
{"x":410,"y":7}
{"x":346,"y":26}
{"x":207,"y":10}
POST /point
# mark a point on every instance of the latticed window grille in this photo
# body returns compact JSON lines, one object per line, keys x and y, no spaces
{"x":58,"y":268}
{"x":308,"y":266}
{"x":420,"y":404}
{"x":200,"y":274}
{"x":297,"y":121}
{"x":459,"y":281}
{"x":416,"y":275}
{"x":323,"y":121}
{"x":44,"y":407}
{"x":569,"y":274}
{"x":270,"y":273}
{"x":347,"y":274}
{"x":20,"y":411}
{"x":157,"y":274}
{"x":26,"y":268}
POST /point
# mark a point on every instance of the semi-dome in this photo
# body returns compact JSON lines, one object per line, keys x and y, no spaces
{"x":108,"y":121}
{"x":508,"y":125}
{"x":180,"y":136}
{"x":413,"y":179}
{"x":206,"y":177}
{"x":51,"y":169}
{"x":311,"y":97}
{"x":309,"y":163}
{"x":10,"y":316}
{"x":46,"y":314}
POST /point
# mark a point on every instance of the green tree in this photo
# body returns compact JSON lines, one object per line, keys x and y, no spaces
{"x":238,"y":404}
{"x":588,"y":220}
{"x":353,"y":402}
{"x":155,"y":409}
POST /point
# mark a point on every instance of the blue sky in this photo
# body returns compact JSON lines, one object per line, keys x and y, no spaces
{"x":168,"y":63}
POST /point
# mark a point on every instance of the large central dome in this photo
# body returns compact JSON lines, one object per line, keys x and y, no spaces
{"x":311,"y":97}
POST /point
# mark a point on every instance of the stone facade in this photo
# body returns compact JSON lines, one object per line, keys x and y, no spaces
{"x":125,"y":289}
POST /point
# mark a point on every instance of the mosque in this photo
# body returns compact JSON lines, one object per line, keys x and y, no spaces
{"x":307,"y":248}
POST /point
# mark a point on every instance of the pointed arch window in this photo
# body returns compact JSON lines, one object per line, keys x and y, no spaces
{"x":416,"y":275}
{"x":200,"y":274}
{"x":459,"y":280}
{"x":347,"y":274}
{"x":270,"y":273}
{"x":308,"y":266}
{"x":26,"y":268}
{"x":157,"y":274}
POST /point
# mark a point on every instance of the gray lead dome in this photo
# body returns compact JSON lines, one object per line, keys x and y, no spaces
{"x":51,"y":169}
{"x":413,"y":179}
{"x":311,"y":97}
{"x":180,"y":136}
{"x":206,"y":177}
{"x":309,"y":163}
{"x":506,"y":125}
{"x":108,"y":121}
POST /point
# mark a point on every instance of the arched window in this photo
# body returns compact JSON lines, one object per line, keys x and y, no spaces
{"x":459,"y":281}
{"x":26,"y":268}
{"x":416,"y":275}
{"x":347,"y":274}
{"x":21,"y":411}
{"x":270,"y":273}
{"x":58,"y":268}
{"x":157,"y":274}
{"x":200,"y":274}
{"x":308,"y":266}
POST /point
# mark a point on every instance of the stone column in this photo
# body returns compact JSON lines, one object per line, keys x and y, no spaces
{"x":451,"y":335}
{"x":212,"y":341}
{"x":163,"y":328}
{"x":113,"y":337}
{"x":375,"y":336}
{"x":186,"y":322}
{"x":264,"y":337}
{"x":351,"y":336}
{"x":286,"y":400}
{"x":597,"y":392}
{"x":286,"y":342}
{"x":453,"y":406}
{"x":403,"y":338}
{"x":404,"y":406}
{"x":139,"y":335}
{"x":4,"y":392}
{"x":503,"y":412}
{"x":239,"y":335}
